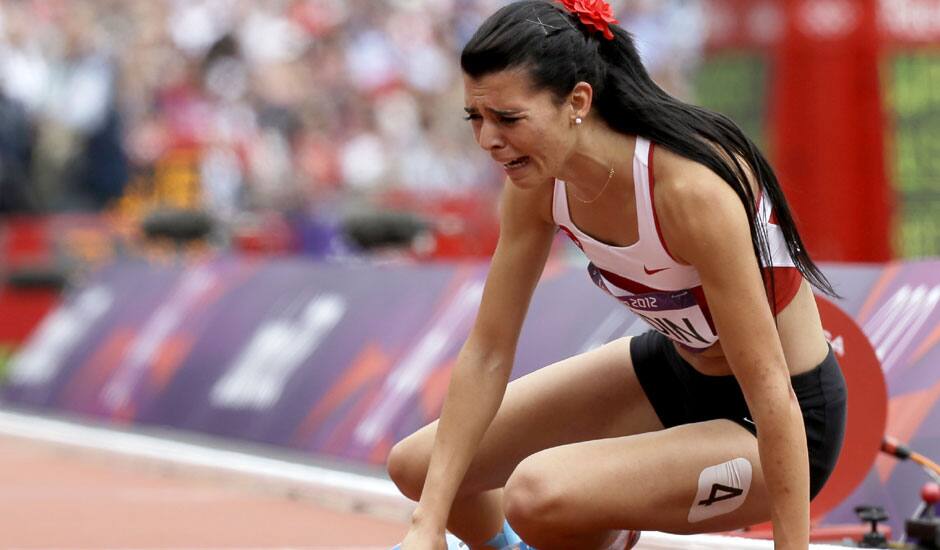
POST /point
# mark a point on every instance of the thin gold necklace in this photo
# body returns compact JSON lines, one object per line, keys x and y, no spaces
{"x":610,"y":176}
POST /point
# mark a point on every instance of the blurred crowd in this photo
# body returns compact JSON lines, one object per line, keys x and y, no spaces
{"x":252,"y":104}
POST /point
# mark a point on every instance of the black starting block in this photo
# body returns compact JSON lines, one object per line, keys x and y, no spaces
{"x":924,"y":528}
{"x":872,"y":515}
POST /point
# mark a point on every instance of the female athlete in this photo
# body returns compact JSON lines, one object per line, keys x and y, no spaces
{"x":729,"y":412}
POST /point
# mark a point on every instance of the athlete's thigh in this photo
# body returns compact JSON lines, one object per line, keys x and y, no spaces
{"x":695,"y":478}
{"x":589,"y":396}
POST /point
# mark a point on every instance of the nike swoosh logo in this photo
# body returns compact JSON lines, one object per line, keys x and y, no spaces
{"x":653,"y":271}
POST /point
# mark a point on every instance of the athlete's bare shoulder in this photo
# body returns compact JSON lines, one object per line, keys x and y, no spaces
{"x":670,"y":167}
{"x":676,"y":174}
{"x":689,"y":197}
{"x":532,"y":204}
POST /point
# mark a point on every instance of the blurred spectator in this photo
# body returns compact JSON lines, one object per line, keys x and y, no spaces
{"x":58,"y":65}
{"x":15,"y":153}
{"x":241,"y":105}
{"x":670,"y":36}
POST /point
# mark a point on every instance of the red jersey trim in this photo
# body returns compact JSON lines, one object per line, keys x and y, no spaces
{"x":624,"y":283}
{"x":787,"y":281}
{"x":571,"y":236}
{"x":699,"y":294}
{"x":659,"y":230}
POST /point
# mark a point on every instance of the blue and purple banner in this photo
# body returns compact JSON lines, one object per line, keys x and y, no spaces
{"x":345,"y":360}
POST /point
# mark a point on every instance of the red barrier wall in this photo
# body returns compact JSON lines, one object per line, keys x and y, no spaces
{"x":23,"y":242}
{"x":828,"y":129}
{"x":21,"y":310}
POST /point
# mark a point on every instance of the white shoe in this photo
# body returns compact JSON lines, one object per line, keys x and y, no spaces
{"x":625,"y":540}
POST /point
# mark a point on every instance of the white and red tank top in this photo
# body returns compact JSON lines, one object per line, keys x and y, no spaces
{"x":649,"y":281}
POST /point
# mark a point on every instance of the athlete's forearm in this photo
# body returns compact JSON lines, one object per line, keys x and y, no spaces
{"x":785,"y":463}
{"x":476,"y":390}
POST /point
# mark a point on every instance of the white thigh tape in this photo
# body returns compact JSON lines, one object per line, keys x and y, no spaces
{"x":721,"y":489}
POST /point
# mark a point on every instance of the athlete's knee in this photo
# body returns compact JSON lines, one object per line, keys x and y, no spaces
{"x":407,"y":467}
{"x":532,"y":498}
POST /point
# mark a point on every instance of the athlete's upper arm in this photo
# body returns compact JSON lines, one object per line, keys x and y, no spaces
{"x":704,"y":223}
{"x":525,"y":238}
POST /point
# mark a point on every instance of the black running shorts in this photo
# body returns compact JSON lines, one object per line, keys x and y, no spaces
{"x":682,"y":395}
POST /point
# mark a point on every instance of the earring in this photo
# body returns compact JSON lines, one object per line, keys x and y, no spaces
{"x":578,"y":120}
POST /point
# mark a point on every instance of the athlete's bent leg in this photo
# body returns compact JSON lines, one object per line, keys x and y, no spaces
{"x":694,"y":478}
{"x":475,"y":517}
{"x":532,"y":505}
{"x":597,"y":396}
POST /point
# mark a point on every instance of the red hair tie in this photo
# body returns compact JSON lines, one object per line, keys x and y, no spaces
{"x":594,"y":14}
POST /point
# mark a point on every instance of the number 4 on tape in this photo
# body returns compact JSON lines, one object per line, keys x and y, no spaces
{"x":719,"y":493}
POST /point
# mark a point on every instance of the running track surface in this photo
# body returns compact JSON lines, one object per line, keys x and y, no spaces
{"x":58,"y":497}
{"x":54,"y":496}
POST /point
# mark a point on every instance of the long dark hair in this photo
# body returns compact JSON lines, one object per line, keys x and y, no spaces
{"x":558,"y":52}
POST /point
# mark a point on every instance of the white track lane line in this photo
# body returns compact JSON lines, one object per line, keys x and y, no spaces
{"x":356,"y":487}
